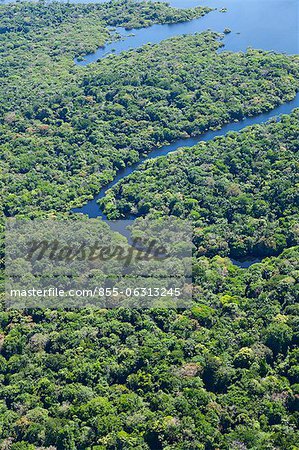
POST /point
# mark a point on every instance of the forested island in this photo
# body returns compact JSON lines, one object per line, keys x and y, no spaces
{"x":222,"y":374}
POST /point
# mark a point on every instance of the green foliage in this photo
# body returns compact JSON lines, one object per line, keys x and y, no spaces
{"x":39,"y":41}
{"x":240,"y":190}
{"x":222,"y":375}
{"x":61,"y":147}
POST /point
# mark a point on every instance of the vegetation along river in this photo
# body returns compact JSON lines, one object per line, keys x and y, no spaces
{"x":268,"y":25}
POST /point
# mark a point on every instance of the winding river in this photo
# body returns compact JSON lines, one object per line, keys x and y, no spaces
{"x":269,"y":25}
{"x":266,"y":24}
{"x":92,"y":208}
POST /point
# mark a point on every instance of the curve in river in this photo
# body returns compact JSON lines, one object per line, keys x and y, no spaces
{"x":92,"y":208}
{"x":249,"y":28}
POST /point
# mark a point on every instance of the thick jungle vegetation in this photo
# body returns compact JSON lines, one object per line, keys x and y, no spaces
{"x":38,"y":41}
{"x":221,"y":375}
{"x":241,"y":190}
{"x":61,"y":148}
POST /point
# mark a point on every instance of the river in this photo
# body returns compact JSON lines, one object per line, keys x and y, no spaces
{"x":265,"y":24}
{"x":270,"y":25}
{"x":92,"y":208}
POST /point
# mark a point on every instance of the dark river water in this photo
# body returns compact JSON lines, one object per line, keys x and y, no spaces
{"x":270,"y":25}
{"x":92,"y":209}
{"x":265,"y":24}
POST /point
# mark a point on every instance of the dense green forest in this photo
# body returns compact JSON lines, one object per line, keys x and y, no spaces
{"x":241,"y":190}
{"x":218,"y":375}
{"x":221,"y":375}
{"x":38,"y":42}
{"x":63,"y":147}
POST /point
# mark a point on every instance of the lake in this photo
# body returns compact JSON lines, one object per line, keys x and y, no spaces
{"x":264,"y":24}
